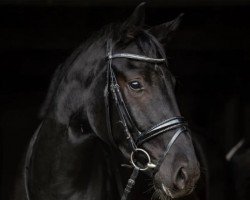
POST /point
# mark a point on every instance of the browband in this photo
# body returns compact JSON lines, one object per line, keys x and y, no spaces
{"x":136,"y":57}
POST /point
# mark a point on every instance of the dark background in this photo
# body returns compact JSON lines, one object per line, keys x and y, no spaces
{"x":210,"y":56}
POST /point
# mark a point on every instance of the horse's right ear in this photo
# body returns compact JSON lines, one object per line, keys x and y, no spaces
{"x":163,"y":32}
{"x":135,"y":22}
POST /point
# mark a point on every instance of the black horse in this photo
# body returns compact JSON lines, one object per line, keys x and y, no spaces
{"x":112,"y":103}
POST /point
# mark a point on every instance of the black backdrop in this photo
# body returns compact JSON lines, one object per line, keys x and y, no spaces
{"x":209,"y":56}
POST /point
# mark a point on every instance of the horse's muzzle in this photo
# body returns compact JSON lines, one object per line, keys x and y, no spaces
{"x":180,"y":182}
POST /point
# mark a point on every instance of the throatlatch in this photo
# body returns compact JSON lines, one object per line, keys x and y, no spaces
{"x":176,"y":123}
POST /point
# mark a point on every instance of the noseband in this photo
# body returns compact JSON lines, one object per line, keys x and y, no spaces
{"x":130,"y":129}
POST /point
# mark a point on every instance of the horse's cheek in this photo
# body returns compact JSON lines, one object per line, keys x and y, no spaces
{"x":94,"y":108}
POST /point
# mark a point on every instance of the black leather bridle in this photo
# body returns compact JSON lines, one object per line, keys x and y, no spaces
{"x":135,"y":137}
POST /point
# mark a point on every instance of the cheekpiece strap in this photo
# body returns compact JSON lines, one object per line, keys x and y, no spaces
{"x":106,"y":94}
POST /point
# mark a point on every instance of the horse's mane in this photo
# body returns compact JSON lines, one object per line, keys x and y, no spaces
{"x":146,"y":42}
{"x":63,"y":68}
{"x":56,"y":79}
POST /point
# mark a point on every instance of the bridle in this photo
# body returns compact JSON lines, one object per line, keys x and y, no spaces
{"x":130,"y":129}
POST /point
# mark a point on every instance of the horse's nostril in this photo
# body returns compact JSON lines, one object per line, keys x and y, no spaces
{"x":181,"y":179}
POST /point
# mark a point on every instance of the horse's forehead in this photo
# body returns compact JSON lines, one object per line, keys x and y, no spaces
{"x":130,"y":66}
{"x":130,"y":48}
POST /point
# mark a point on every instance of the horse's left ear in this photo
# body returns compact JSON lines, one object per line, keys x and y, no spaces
{"x":136,"y":21}
{"x":163,"y":32}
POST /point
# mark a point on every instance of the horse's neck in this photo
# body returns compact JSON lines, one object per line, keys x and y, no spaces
{"x":68,"y":165}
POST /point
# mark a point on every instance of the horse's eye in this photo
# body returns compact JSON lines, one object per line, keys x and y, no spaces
{"x":135,"y":85}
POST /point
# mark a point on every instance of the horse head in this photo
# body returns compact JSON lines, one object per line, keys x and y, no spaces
{"x":136,"y":110}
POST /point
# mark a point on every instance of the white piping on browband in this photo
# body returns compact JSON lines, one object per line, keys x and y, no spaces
{"x":136,"y":57}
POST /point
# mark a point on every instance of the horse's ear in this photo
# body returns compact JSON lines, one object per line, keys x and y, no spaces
{"x":163,"y":32}
{"x":136,"y":21}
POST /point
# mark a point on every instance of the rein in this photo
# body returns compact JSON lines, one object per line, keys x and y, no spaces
{"x":130,"y":129}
